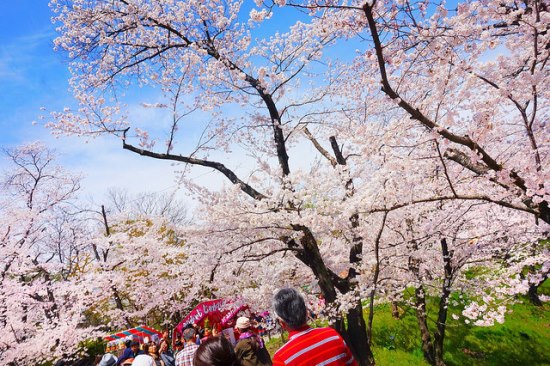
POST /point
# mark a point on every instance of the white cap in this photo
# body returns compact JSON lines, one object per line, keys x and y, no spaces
{"x":243,"y":322}
{"x":143,"y":360}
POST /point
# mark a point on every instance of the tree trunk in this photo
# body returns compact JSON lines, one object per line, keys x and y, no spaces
{"x":394,"y":310}
{"x":119,"y":305}
{"x":439,"y":336}
{"x":544,"y":212}
{"x":533,"y":294}
{"x":357,"y":332}
{"x":421,"y":316}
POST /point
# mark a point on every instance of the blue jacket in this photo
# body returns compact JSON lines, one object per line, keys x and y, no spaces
{"x":127,"y":354}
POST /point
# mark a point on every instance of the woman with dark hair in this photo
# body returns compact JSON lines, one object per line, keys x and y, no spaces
{"x":215,"y":351}
{"x":154,"y":352}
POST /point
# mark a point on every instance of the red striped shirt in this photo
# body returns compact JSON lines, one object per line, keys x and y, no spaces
{"x":308,"y":346}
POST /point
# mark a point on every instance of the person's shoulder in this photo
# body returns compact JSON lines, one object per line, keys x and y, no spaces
{"x":190,"y":348}
{"x":243,"y":343}
{"x":143,"y":356}
{"x":325,"y":330}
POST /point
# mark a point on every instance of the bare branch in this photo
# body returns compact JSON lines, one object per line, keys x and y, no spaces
{"x":194,"y":161}
{"x":319,"y":148}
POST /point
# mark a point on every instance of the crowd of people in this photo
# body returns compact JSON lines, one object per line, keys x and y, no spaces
{"x":305,"y":346}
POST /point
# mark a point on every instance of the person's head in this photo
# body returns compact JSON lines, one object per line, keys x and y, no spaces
{"x":128,"y":343}
{"x":153,"y":348}
{"x":290,"y":307}
{"x":243,"y":323}
{"x":207,"y":332}
{"x":215,"y":351}
{"x":134,"y":346}
{"x":189,"y":335}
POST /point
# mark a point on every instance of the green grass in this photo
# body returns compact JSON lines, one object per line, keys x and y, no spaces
{"x":523,"y":340}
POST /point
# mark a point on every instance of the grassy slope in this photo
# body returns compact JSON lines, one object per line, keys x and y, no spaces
{"x":523,"y":339}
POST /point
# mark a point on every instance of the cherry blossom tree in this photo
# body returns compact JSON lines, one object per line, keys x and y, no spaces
{"x":441,"y":129}
{"x":40,"y":249}
{"x":204,"y":52}
{"x":67,"y":277}
{"x":138,"y":276}
{"x":460,"y":74}
{"x":444,"y":245}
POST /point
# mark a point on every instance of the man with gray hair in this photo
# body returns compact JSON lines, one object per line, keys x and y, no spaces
{"x":306,"y":346}
{"x":185,"y":356}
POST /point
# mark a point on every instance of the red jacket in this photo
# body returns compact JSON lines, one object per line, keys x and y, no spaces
{"x":308,"y":346}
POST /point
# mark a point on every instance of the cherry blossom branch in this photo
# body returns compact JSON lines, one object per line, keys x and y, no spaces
{"x":259,"y":257}
{"x":194,"y":161}
{"x":462,"y":159}
{"x":321,"y":6}
{"x":540,"y":210}
{"x":450,"y":198}
{"x":415,"y":113}
{"x":528,"y":123}
{"x":267,"y":98}
{"x":250,"y":243}
{"x":445,"y":168}
{"x":311,"y":256}
{"x":319,"y":148}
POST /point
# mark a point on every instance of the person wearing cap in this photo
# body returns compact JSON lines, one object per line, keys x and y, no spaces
{"x":250,"y":348}
{"x":143,"y":360}
{"x":107,"y":360}
{"x":306,"y":346}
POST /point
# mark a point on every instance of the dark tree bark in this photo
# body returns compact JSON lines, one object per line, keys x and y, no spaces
{"x":533,"y":290}
{"x":422,"y":319}
{"x":432,"y":347}
{"x":439,"y":336}
{"x":533,"y":295}
{"x":394,"y":310}
{"x":114,"y":290}
{"x":355,"y":334}
{"x":358,"y":340}
{"x":375,"y":279}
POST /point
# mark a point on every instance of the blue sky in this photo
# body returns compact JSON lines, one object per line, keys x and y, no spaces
{"x":32,"y":75}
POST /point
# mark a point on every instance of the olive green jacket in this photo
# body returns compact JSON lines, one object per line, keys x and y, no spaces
{"x":249,"y":357}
